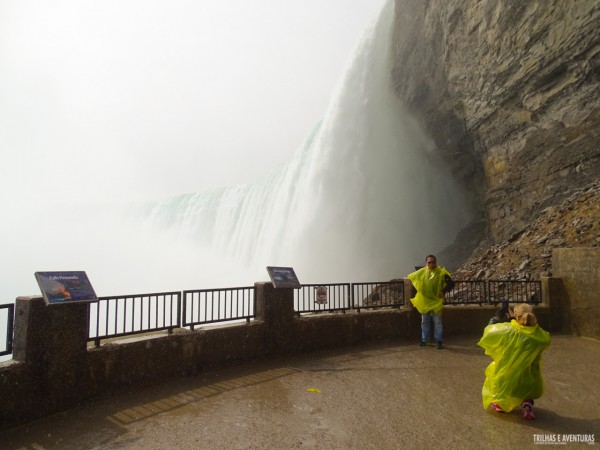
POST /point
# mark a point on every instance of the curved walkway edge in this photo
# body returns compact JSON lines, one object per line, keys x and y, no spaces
{"x":388,"y":395}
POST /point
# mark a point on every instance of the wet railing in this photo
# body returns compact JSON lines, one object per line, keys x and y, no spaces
{"x":204,"y":306}
{"x":311,"y":298}
{"x":373,"y":295}
{"x":126,"y":315}
{"x":492,"y":292}
{"x":314,"y":298}
{"x":7,"y":319}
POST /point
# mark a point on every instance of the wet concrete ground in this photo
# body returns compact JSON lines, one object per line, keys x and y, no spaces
{"x":391,"y":395}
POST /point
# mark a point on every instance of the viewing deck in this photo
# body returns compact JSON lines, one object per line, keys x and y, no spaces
{"x":389,"y":395}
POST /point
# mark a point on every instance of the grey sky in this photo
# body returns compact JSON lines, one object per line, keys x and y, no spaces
{"x":131,"y":99}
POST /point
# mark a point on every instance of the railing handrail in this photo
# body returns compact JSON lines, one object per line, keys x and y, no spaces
{"x":152,"y":294}
{"x":491,"y":296}
{"x":347,"y":301}
{"x":229,"y":301}
{"x":374,"y":298}
{"x":342,"y":299}
{"x":121,"y":326}
{"x":218,"y":289}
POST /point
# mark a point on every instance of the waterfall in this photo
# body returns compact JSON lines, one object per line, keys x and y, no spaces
{"x":364,"y":199}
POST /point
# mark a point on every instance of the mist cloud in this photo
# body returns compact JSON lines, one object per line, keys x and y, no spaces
{"x":105,"y":103}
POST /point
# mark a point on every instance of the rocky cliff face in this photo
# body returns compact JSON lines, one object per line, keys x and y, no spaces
{"x":510,"y":92}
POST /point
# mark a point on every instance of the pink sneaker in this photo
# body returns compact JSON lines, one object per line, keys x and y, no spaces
{"x":527,"y":410}
{"x":497,"y":407}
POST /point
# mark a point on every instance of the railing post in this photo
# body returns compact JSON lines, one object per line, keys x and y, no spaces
{"x":546,"y":299}
{"x":52,"y":341}
{"x":408,"y":287}
{"x":275,"y":308}
{"x":486,"y":291}
{"x":179,"y":312}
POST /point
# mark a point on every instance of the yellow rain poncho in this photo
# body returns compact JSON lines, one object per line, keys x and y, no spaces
{"x":428,"y":284}
{"x":515,"y":373}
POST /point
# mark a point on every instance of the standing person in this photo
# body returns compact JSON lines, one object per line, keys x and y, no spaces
{"x":431,"y":283}
{"x":514,"y":377}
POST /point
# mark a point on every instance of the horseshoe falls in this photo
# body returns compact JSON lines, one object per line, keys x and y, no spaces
{"x":365,"y":198}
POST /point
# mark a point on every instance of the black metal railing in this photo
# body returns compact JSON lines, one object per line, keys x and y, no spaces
{"x":204,"y":306}
{"x":312,"y":298}
{"x":126,"y":315}
{"x":7,"y":319}
{"x":492,"y":292}
{"x":467,"y":292}
{"x":377,"y":294}
{"x":515,"y":291}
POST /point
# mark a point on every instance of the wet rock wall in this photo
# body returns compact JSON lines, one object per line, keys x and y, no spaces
{"x":510,"y":92}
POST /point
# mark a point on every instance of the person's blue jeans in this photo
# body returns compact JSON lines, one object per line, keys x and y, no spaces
{"x":426,"y":326}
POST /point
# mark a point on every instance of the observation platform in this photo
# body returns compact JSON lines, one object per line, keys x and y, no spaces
{"x":389,"y":395}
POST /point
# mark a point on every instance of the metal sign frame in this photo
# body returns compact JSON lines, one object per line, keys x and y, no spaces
{"x":65,"y":287}
{"x":283,"y":277}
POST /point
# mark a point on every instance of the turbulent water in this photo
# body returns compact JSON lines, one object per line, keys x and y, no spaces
{"x":365,"y":198}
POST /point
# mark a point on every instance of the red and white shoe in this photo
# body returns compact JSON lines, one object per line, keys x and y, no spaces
{"x":497,"y":407}
{"x":527,"y":410}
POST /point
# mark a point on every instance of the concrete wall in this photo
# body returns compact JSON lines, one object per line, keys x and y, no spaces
{"x":577,"y":281}
{"x":53,"y":368}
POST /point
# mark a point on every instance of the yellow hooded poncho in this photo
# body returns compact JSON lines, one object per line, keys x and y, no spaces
{"x":428,"y":284}
{"x":515,"y":373}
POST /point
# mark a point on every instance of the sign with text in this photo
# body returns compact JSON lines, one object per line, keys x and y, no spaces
{"x":283,"y":277}
{"x":65,"y":287}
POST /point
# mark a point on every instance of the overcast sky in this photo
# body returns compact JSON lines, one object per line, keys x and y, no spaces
{"x":145,"y":99}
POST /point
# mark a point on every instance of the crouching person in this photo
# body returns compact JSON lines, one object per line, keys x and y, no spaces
{"x":514,"y":376}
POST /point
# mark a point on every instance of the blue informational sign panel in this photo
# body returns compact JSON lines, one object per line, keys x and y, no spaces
{"x":65,"y":287}
{"x":283,"y":277}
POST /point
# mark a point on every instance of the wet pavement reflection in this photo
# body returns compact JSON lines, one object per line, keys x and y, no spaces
{"x":387,"y":395}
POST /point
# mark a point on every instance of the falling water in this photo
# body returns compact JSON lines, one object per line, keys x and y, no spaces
{"x":364,"y":198}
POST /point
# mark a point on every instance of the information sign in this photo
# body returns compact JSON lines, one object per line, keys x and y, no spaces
{"x":321,"y":292}
{"x":65,"y":287}
{"x":283,"y":277}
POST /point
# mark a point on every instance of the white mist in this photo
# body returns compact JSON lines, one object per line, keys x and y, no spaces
{"x":365,"y":199}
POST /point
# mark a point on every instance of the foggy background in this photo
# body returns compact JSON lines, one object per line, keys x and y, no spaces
{"x":103,"y":103}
